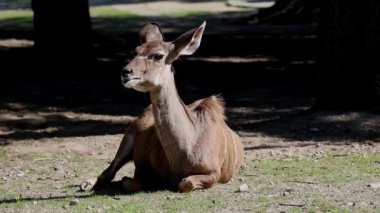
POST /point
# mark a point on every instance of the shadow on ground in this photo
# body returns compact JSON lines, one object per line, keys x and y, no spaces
{"x":267,"y":75}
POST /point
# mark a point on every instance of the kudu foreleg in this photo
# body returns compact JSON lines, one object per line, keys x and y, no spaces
{"x":123,"y":155}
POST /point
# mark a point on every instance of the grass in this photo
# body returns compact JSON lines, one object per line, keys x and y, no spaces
{"x":99,"y":11}
{"x":320,"y":205}
{"x":328,"y":169}
{"x":111,"y":12}
{"x":22,"y":15}
{"x":267,"y":179}
{"x":27,"y":15}
{"x":104,"y":17}
{"x":187,"y":13}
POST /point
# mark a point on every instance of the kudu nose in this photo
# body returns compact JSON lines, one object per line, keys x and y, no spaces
{"x":125,"y":71}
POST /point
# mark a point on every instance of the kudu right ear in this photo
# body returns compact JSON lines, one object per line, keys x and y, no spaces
{"x":186,"y":44}
{"x":151,"y":32}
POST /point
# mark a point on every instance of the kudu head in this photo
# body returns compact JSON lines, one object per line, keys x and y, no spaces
{"x":151,"y":66}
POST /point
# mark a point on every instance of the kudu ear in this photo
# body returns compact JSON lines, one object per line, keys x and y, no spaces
{"x":186,"y":44}
{"x":151,"y":32}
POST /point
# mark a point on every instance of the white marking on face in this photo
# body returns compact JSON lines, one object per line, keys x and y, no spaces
{"x":141,"y":57}
{"x":132,"y":83}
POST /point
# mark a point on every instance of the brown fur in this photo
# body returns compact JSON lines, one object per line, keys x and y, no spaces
{"x":150,"y":159}
{"x":173,"y":145}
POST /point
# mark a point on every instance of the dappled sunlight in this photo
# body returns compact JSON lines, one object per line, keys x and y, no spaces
{"x":15,"y":43}
{"x":19,"y":123}
{"x":170,"y":8}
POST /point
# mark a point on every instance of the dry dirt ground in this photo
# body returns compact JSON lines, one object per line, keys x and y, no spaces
{"x":295,"y":160}
{"x":54,"y":134}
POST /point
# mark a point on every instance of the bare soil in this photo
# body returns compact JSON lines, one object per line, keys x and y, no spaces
{"x":48,"y":151}
{"x":55,"y":133}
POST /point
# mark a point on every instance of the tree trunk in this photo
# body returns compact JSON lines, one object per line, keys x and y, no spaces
{"x":349,"y":31}
{"x":62,"y":34}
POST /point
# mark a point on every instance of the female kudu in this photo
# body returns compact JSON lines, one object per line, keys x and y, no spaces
{"x":173,"y":145}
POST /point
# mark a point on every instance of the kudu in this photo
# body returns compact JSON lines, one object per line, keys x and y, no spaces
{"x":173,"y":145}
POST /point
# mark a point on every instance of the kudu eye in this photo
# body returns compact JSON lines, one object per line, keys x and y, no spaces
{"x":156,"y":57}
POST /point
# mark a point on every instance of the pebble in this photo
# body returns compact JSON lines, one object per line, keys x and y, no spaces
{"x":4,"y":178}
{"x":74,"y":202}
{"x":243,"y":187}
{"x":351,"y":204}
{"x":20,"y":174}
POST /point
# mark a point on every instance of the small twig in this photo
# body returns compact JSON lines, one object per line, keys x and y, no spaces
{"x":340,"y":155}
{"x":292,"y":204}
{"x":306,"y":182}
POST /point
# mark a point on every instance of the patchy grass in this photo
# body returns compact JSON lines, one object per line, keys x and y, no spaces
{"x":311,"y":184}
{"x":187,"y":13}
{"x":16,"y":20}
{"x":328,"y":169}
{"x":21,"y":15}
{"x":111,"y":12}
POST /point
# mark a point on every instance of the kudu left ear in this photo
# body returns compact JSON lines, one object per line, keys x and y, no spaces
{"x":151,"y":32}
{"x":186,"y":44}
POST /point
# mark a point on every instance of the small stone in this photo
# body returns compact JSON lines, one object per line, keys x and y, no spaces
{"x":89,"y":207}
{"x":243,"y":187}
{"x":350,"y":204}
{"x":74,"y":202}
{"x":4,"y":178}
{"x":20,"y":174}
{"x":286,"y":193}
{"x":374,"y":185}
{"x":314,"y":129}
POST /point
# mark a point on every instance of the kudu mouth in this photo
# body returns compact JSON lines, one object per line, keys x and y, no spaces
{"x":130,"y":81}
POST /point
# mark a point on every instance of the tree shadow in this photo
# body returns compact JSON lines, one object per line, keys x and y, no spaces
{"x":113,"y":189}
{"x":267,"y":75}
{"x":58,"y":126}
{"x":321,"y":126}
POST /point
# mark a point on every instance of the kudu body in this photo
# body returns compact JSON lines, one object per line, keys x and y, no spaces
{"x":173,"y":145}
